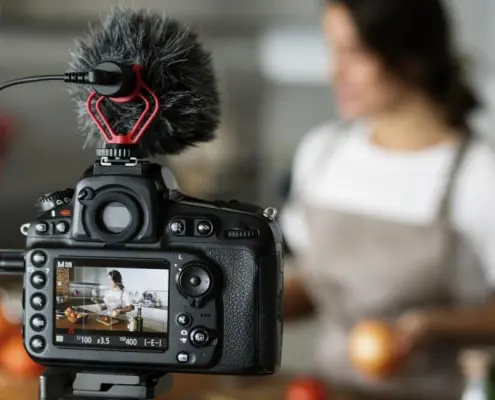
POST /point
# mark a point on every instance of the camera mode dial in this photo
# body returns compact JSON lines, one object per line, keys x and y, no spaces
{"x":51,"y":201}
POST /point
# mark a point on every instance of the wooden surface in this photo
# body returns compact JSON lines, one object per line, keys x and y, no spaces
{"x":17,"y":389}
{"x":91,"y":324}
{"x":187,"y":387}
{"x":108,"y":321}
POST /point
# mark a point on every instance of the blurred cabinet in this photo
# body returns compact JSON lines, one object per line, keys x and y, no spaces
{"x":474,"y":27}
{"x":154,"y":319}
{"x":476,"y":34}
{"x":255,"y":11}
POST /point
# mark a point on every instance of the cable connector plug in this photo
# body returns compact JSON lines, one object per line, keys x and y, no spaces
{"x":108,"y":79}
{"x":80,"y":78}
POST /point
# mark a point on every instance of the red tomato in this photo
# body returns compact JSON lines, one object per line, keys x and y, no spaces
{"x":306,"y":389}
{"x":15,"y":360}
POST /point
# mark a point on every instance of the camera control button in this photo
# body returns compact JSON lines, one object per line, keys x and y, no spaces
{"x":85,"y":194}
{"x":38,"y":323}
{"x":194,"y":281}
{"x":184,"y":320}
{"x":38,"y":301}
{"x":38,"y":258}
{"x":62,"y":227}
{"x":204,"y":228}
{"x":38,"y":280}
{"x":41,"y":228}
{"x":37,"y":344}
{"x":200,"y":337}
{"x":177,"y":227}
{"x":183,"y":357}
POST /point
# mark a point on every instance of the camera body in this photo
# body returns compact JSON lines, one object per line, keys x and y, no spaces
{"x":124,"y":271}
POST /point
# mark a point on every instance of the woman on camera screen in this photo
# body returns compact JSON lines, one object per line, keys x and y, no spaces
{"x":391,"y":217}
{"x":117,"y":300}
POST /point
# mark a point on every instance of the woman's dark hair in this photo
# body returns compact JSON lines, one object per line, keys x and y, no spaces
{"x":116,"y":278}
{"x":413,"y":38}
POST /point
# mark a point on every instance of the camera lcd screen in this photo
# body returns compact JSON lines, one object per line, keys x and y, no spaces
{"x":121,"y":304}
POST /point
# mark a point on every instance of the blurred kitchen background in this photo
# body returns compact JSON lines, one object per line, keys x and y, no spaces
{"x":271,"y":62}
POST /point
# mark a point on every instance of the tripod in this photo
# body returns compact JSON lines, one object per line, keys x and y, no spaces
{"x":63,"y":384}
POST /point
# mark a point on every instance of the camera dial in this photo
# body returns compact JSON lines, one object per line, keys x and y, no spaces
{"x":53,"y":200}
{"x":195,"y":282}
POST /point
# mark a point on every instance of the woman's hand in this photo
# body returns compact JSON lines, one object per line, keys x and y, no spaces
{"x":415,"y":330}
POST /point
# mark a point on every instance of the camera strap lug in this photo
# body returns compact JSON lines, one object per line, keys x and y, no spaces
{"x":270,"y":213}
{"x":25,"y":229}
{"x":63,"y":384}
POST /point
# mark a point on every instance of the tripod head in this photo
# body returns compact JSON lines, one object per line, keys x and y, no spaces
{"x":63,"y":384}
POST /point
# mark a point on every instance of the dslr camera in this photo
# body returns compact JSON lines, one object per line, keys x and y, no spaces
{"x":126,"y":272}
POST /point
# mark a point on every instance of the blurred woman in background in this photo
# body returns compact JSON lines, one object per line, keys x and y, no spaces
{"x":391,"y":214}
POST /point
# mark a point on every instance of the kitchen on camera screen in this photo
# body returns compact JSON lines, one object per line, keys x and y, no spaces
{"x":111,"y":303}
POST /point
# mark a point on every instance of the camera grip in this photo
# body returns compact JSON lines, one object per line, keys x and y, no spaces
{"x":239,"y":317}
{"x":271,"y":284}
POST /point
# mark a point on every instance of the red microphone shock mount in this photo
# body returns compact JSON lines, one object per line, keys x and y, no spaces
{"x":120,"y":84}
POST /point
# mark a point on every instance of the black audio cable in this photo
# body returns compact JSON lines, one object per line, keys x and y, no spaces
{"x":11,"y":262}
{"x":82,"y":78}
{"x":108,"y":79}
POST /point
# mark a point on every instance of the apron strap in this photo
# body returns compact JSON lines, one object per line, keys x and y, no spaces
{"x":458,"y":271}
{"x":446,"y":204}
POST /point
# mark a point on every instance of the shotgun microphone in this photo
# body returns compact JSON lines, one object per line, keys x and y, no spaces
{"x":174,"y":69}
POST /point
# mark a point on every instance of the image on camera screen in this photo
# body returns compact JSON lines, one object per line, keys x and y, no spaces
{"x":111,"y":306}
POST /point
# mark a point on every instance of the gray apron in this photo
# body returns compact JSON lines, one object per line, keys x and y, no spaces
{"x":358,"y":267}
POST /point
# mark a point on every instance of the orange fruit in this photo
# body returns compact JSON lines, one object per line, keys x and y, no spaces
{"x":373,"y":349}
{"x":15,"y":360}
{"x":7,"y":328}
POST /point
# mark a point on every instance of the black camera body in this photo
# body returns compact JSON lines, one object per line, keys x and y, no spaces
{"x":125,"y":272}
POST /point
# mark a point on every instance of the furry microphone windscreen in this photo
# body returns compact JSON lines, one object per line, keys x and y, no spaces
{"x":175,"y":67}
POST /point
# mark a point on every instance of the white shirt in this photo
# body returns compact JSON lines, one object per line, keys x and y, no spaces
{"x":117,"y":299}
{"x":361,"y":178}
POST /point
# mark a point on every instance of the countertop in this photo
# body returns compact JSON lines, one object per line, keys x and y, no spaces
{"x":91,"y":324}
{"x":191,"y":387}
{"x":89,"y":306}
{"x":188,"y":387}
{"x":136,"y":306}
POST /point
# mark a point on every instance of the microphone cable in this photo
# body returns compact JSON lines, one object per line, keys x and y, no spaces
{"x":31,"y":79}
{"x":95,"y":77}
{"x":11,"y":262}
